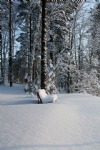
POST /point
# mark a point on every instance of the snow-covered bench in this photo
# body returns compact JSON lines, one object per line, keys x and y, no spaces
{"x":43,"y":97}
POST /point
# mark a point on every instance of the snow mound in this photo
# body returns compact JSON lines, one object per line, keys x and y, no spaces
{"x":47,"y":98}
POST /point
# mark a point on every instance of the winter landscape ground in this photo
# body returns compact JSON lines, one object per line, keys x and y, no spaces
{"x":71,"y":123}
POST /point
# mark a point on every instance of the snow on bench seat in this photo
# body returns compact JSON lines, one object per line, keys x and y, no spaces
{"x":43,"y":97}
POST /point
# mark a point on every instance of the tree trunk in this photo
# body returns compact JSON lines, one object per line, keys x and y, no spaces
{"x":30,"y":55}
{"x":99,"y":66}
{"x":43,"y":50}
{"x":1,"y":67}
{"x":4,"y":54}
{"x":68,"y":81}
{"x":51,"y":51}
{"x":80,"y":54}
{"x":10,"y":46}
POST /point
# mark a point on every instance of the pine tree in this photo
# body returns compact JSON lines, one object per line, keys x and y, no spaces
{"x":30,"y":72}
{"x":43,"y":47}
{"x":1,"y":67}
{"x":10,"y":44}
{"x":96,"y":38}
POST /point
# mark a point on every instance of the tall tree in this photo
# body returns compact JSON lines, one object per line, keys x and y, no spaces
{"x":30,"y":72}
{"x":73,"y":5}
{"x":43,"y":49}
{"x":1,"y":67}
{"x":10,"y":44}
{"x":96,"y":38}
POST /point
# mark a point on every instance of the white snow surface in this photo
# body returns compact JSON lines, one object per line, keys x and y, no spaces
{"x":71,"y":123}
{"x":47,"y":98}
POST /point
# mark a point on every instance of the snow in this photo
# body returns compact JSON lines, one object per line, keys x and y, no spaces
{"x":71,"y":123}
{"x":47,"y":98}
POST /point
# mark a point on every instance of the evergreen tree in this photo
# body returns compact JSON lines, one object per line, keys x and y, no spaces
{"x":1,"y":67}
{"x":43,"y":47}
{"x":10,"y":44}
{"x":96,"y":38}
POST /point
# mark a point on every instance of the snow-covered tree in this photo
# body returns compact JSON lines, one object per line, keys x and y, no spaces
{"x":96,"y":38}
{"x":51,"y":88}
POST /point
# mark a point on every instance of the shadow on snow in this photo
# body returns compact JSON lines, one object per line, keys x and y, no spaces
{"x":18,"y":102}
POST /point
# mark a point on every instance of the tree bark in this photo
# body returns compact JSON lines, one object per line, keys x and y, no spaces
{"x":43,"y":50}
{"x":1,"y":67}
{"x":30,"y":55}
{"x":10,"y":46}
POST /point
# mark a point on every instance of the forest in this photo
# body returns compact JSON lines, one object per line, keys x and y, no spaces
{"x":49,"y":74}
{"x":51,"y":44}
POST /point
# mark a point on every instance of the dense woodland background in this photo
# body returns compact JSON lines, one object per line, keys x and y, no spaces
{"x":53,"y":45}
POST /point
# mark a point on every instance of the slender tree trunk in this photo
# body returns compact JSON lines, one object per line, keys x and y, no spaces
{"x":80,"y":53}
{"x":80,"y":58}
{"x":68,"y":81}
{"x":68,"y":74}
{"x":10,"y":46}
{"x":99,"y":66}
{"x":4,"y":54}
{"x":51,"y":51}
{"x":13,"y":38}
{"x":1,"y":67}
{"x":30,"y":56}
{"x":43,"y":50}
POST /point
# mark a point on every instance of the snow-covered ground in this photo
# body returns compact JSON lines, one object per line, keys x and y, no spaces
{"x":72,"y":123}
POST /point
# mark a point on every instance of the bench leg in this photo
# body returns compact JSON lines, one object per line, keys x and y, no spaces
{"x":39,"y":99}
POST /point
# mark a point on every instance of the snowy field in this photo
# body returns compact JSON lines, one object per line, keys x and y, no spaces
{"x":72,"y":123}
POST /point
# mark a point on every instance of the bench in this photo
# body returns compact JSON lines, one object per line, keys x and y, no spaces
{"x":43,"y":97}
